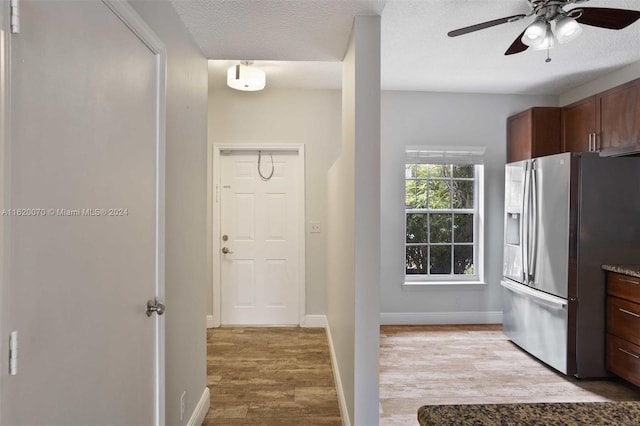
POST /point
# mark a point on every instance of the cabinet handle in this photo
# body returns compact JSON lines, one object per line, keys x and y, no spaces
{"x":590,"y":142}
{"x":596,"y":145}
{"x":624,"y":280}
{"x":636,"y":356}
{"x":633,"y":314}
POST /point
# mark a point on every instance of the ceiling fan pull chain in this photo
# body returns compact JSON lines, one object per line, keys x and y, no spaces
{"x":548,"y":57}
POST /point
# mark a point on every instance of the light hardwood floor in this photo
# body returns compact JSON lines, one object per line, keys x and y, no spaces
{"x":471,"y":364}
{"x":270,"y":376}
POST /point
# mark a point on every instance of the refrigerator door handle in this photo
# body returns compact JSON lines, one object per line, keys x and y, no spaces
{"x":524,"y":225}
{"x":547,"y":299}
{"x":533,"y":223}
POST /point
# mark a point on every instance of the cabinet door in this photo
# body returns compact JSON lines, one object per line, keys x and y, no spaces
{"x":578,"y":125}
{"x":519,"y":136}
{"x":533,"y":133}
{"x":546,"y":131}
{"x":618,"y":112}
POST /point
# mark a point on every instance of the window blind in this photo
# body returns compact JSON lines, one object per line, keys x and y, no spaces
{"x":444,"y":155}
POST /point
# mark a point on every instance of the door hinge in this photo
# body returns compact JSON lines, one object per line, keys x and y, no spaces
{"x":13,"y":353}
{"x":15,"y":17}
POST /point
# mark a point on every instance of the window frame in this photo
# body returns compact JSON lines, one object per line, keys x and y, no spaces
{"x":478,"y":228}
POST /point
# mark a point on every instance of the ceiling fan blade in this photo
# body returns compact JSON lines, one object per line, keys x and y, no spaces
{"x":517,"y":46}
{"x":613,"y":19}
{"x":484,"y":25}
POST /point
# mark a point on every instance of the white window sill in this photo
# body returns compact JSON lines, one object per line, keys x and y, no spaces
{"x":455,"y":284}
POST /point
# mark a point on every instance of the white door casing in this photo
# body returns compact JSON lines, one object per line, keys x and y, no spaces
{"x":5,"y":28}
{"x":261,"y":280}
{"x":85,"y":221}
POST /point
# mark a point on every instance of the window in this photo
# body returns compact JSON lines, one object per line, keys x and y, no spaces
{"x":443,"y":200}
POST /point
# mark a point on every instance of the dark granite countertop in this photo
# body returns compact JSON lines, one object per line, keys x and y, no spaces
{"x":632,"y":270}
{"x":543,"y":414}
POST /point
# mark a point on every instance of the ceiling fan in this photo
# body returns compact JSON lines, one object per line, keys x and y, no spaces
{"x":552,"y":23}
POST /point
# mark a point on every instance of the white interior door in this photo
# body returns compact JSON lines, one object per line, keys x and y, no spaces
{"x":260,"y":241}
{"x":85,"y":217}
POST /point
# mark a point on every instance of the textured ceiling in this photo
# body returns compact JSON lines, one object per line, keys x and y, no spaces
{"x":416,"y":52}
{"x":282,"y":30}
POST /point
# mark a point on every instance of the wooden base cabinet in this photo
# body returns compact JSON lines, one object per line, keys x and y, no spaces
{"x":623,"y":326}
{"x":533,"y":133}
{"x":622,"y":359}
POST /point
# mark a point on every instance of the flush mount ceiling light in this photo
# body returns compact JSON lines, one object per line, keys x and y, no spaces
{"x":246,"y":77}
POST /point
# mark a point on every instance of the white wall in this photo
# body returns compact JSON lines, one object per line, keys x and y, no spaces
{"x":367,"y":218}
{"x":278,"y":116}
{"x":186,"y":170}
{"x":420,"y":118}
{"x":354,"y":220}
{"x":613,"y":79}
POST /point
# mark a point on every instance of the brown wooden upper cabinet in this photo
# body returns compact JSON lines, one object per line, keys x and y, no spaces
{"x":533,"y":133}
{"x":608,"y":122}
{"x":618,"y":119}
{"x":579,"y":126}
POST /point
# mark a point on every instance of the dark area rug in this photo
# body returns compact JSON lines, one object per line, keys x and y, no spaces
{"x":565,"y":414}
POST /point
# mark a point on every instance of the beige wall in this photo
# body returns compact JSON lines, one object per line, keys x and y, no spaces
{"x":353,"y":306}
{"x":279,"y":116}
{"x":185,"y":214}
{"x":613,"y":79}
{"x":341,"y":239}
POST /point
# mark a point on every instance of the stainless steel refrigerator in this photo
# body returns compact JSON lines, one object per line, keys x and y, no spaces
{"x":565,"y":216}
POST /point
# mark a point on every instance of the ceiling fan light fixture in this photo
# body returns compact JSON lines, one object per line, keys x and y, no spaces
{"x":547,"y":42}
{"x":246,"y":77}
{"x":567,"y":29}
{"x":535,"y":33}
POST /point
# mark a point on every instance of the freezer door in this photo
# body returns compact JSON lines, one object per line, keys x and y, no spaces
{"x":548,"y":264}
{"x":538,"y":323}
{"x":514,"y":221}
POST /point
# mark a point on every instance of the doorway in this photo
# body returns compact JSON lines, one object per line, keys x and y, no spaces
{"x":258,"y":235}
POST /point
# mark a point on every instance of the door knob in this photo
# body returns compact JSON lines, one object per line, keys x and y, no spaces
{"x":226,"y":250}
{"x":154,"y":306}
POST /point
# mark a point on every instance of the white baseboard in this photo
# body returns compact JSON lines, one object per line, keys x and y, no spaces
{"x":200,"y":412}
{"x":417,"y":318}
{"x":210,"y":323}
{"x":311,"y":321}
{"x":314,"y":321}
{"x":342,"y":402}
